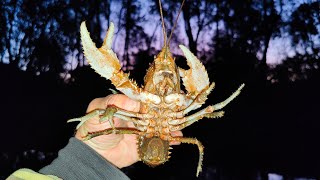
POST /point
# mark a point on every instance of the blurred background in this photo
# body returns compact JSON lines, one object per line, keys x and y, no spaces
{"x":271,"y":131}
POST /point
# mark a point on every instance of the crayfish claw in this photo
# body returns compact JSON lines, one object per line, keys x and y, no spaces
{"x":196,"y":78}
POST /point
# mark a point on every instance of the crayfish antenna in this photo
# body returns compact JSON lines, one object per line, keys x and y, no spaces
{"x":163,"y":25}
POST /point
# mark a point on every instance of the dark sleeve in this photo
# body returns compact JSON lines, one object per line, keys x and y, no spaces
{"x":79,"y":161}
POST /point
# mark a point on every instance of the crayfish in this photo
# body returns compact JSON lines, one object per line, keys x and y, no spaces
{"x":164,"y":106}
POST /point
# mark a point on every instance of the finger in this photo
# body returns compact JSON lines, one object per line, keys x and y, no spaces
{"x":98,"y":103}
{"x":94,"y":124}
{"x":176,"y":134}
{"x":123,"y":102}
{"x":118,"y":100}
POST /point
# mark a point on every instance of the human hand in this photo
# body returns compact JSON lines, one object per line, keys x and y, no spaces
{"x":121,"y":150}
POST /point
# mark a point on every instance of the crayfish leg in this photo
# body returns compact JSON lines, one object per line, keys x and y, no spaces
{"x":228,"y":100}
{"x":179,"y":124}
{"x":108,"y":115}
{"x":88,"y":116}
{"x":196,"y":142}
{"x":112,"y":111}
{"x":108,"y":131}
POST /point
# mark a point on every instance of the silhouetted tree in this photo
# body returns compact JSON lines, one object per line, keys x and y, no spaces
{"x":2,"y":30}
{"x":304,"y":27}
{"x":131,"y":22}
{"x":204,"y":14}
{"x":29,"y":24}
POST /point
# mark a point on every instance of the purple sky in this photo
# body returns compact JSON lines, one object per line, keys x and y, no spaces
{"x":279,"y":48}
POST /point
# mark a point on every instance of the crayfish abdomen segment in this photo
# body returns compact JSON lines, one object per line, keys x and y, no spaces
{"x":153,"y":151}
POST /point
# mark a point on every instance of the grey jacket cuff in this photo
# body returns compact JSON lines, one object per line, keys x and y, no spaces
{"x":79,"y":161}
